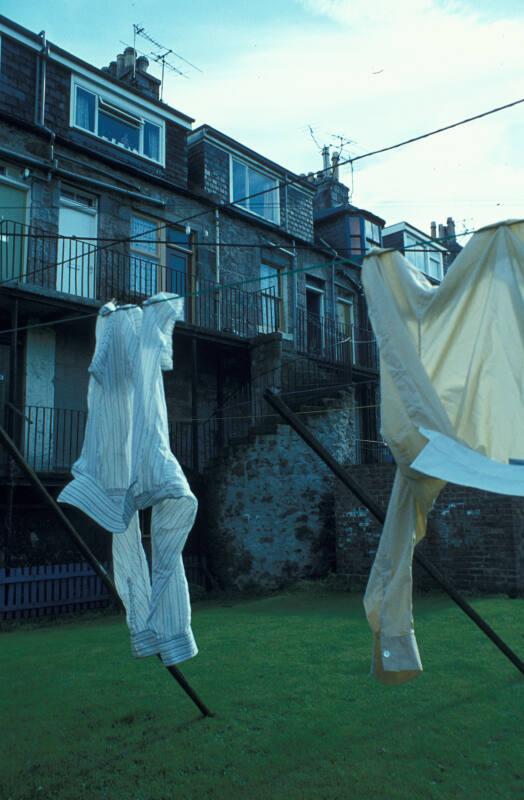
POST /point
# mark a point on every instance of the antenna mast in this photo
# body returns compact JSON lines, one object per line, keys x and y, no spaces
{"x":160,"y":54}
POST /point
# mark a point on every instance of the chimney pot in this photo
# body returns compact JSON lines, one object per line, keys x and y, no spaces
{"x":129,"y":57}
{"x":120,"y":64}
{"x":142,"y":63}
{"x":334,"y":162}
{"x":325,"y":160}
{"x":433,"y":230}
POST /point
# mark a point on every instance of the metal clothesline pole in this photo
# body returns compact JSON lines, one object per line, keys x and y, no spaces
{"x":378,"y":512}
{"x":87,"y":553}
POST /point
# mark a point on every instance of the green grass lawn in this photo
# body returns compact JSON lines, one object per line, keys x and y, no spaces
{"x":297,"y":715}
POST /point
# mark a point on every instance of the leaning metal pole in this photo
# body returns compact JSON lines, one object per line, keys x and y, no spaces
{"x":89,"y":556}
{"x":378,"y":512}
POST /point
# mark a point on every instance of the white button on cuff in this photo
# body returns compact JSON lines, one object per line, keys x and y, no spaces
{"x":386,"y":654}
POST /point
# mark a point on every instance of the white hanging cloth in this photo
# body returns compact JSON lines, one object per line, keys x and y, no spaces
{"x":452,"y":406}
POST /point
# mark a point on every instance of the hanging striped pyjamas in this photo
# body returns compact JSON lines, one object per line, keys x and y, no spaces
{"x":126,"y":464}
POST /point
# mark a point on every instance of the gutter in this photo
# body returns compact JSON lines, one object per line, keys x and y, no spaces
{"x":51,"y":169}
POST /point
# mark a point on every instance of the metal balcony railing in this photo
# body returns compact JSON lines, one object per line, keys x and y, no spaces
{"x":70,"y":266}
{"x":367,"y":452}
{"x":326,"y":338}
{"x":52,"y":438}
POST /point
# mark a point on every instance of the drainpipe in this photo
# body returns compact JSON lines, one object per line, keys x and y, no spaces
{"x":43,"y":76}
{"x":217,"y":270}
{"x":294,"y":289}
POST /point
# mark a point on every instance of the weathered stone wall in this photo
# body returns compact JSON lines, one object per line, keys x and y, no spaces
{"x":477,"y":538}
{"x":270,"y":502}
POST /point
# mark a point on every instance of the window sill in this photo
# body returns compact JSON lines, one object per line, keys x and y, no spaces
{"x":117,"y":146}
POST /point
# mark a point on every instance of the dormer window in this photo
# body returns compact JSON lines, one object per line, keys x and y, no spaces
{"x":121,"y":125}
{"x":255,"y":191}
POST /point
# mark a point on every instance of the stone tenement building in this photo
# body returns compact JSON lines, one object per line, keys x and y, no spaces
{"x":108,"y":192}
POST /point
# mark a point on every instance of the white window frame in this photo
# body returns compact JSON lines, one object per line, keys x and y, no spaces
{"x":126,"y":109}
{"x":265,"y":174}
{"x":143,"y":255}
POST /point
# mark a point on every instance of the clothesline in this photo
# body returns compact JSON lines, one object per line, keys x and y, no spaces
{"x":265,"y":416}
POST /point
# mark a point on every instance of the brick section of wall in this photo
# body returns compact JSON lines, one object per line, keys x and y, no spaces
{"x":270,"y":503}
{"x":477,"y":541}
{"x":17,"y":80}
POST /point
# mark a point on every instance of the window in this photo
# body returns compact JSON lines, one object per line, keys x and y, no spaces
{"x":373,"y":235}
{"x":145,"y":256}
{"x":271,"y":298}
{"x":98,"y":114}
{"x":178,"y":262}
{"x":435,"y":266}
{"x":13,"y":218}
{"x":421,"y":255}
{"x":246,"y":181}
{"x":355,"y":236}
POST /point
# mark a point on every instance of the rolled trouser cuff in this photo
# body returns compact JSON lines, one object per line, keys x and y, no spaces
{"x":179,"y":648}
{"x":144,"y":643}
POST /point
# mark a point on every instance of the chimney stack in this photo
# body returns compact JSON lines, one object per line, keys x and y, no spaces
{"x":442,"y":232}
{"x":433,"y":230}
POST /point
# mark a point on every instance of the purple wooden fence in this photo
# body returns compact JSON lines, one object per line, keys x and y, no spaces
{"x":50,"y":589}
{"x":61,"y":588}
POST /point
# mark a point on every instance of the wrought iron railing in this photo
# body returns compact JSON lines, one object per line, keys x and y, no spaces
{"x":52,"y":437}
{"x":328,"y":339}
{"x":76,"y":268}
{"x":367,"y":452}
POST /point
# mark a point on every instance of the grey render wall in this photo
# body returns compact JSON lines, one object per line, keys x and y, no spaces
{"x":270,"y":502}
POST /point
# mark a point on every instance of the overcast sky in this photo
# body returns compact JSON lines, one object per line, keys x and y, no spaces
{"x":372,"y":73}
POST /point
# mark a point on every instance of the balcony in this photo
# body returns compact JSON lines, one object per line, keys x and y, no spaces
{"x":328,"y":339}
{"x":74,"y":269}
